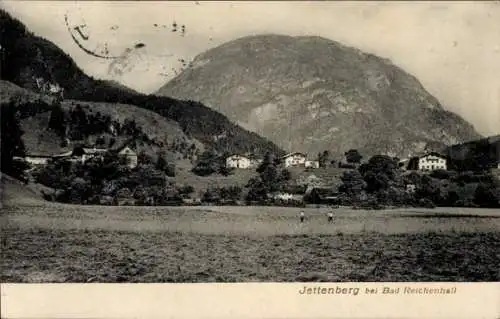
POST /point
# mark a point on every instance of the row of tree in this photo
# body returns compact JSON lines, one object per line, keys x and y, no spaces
{"x":109,"y":177}
{"x":379,"y":183}
{"x":352,"y":157}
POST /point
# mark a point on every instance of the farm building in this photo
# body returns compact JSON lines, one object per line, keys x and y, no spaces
{"x":129,"y":155}
{"x":312,"y":164}
{"x":432,"y":161}
{"x":294,"y":159}
{"x":83,"y":154}
{"x":428,"y":162}
{"x":239,"y":161}
{"x":285,"y":196}
{"x":37,"y":160}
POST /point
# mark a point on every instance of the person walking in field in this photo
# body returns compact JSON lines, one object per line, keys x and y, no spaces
{"x":302,"y":216}
{"x":330,"y":217}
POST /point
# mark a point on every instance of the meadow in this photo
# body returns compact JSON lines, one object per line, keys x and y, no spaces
{"x":50,"y":242}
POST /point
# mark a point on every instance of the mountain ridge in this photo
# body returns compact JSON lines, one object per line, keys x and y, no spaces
{"x":309,"y":93}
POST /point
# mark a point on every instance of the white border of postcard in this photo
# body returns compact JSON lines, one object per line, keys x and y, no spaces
{"x":252,"y":300}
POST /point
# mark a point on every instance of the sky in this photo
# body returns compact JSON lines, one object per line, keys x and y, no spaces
{"x":453,"y":48}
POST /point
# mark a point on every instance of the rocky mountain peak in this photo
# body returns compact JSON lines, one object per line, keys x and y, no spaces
{"x":311,"y":94}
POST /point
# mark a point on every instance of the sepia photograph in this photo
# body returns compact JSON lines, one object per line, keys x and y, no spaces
{"x":305,"y":142}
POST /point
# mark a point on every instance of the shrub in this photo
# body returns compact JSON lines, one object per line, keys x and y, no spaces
{"x":186,"y":190}
{"x":426,"y":202}
{"x":440,"y":174}
{"x":487,"y":195}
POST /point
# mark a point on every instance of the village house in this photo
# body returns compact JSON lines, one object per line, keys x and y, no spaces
{"x":432,"y":161}
{"x":239,"y":161}
{"x":37,"y":160}
{"x":312,"y":164}
{"x":254,"y":162}
{"x":83,"y":154}
{"x":294,"y":159}
{"x":284,"y":196}
{"x":129,"y":155}
{"x":242,"y":161}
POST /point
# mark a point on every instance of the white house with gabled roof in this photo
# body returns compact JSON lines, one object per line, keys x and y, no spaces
{"x":294,"y":159}
{"x":239,"y":161}
{"x":432,"y":161}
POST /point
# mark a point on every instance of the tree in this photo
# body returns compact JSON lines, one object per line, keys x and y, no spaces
{"x":324,"y":159}
{"x":112,"y":142}
{"x":270,"y":179}
{"x":164,"y":166}
{"x":209,"y":163}
{"x":379,"y":173}
{"x":430,"y":189}
{"x":230,"y":193}
{"x":487,"y":195}
{"x":11,"y":139}
{"x":186,"y":190}
{"x":57,"y":120}
{"x":353,"y":156}
{"x":161,"y":163}
{"x":143,"y":158}
{"x":80,"y":123}
{"x":269,"y":159}
{"x":352,"y":183}
{"x":257,"y":191}
{"x":79,"y":191}
{"x":100,"y":141}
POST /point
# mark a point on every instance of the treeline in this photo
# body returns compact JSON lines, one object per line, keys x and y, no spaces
{"x":11,"y":138}
{"x":352,"y":159}
{"x":22,"y":50}
{"x":376,"y":184}
{"x":379,"y":183}
{"x":79,"y":123}
{"x":108,"y":180}
{"x":475,"y":155}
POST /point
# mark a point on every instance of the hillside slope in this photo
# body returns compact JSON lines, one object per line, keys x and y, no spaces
{"x":26,"y":58}
{"x":162,"y":134}
{"x":482,"y":153}
{"x":310,"y":94}
{"x":14,"y":192}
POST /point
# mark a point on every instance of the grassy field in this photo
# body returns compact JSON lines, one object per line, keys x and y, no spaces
{"x":48,"y":242}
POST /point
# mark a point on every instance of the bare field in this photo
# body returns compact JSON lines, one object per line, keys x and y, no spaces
{"x":64,"y":243}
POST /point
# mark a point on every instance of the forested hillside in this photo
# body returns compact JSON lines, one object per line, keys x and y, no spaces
{"x":26,"y":57}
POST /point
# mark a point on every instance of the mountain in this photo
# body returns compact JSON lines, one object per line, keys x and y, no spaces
{"x":27,"y":60}
{"x":312,"y":94}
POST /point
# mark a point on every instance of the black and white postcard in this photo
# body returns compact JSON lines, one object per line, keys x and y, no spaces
{"x":314,"y":153}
